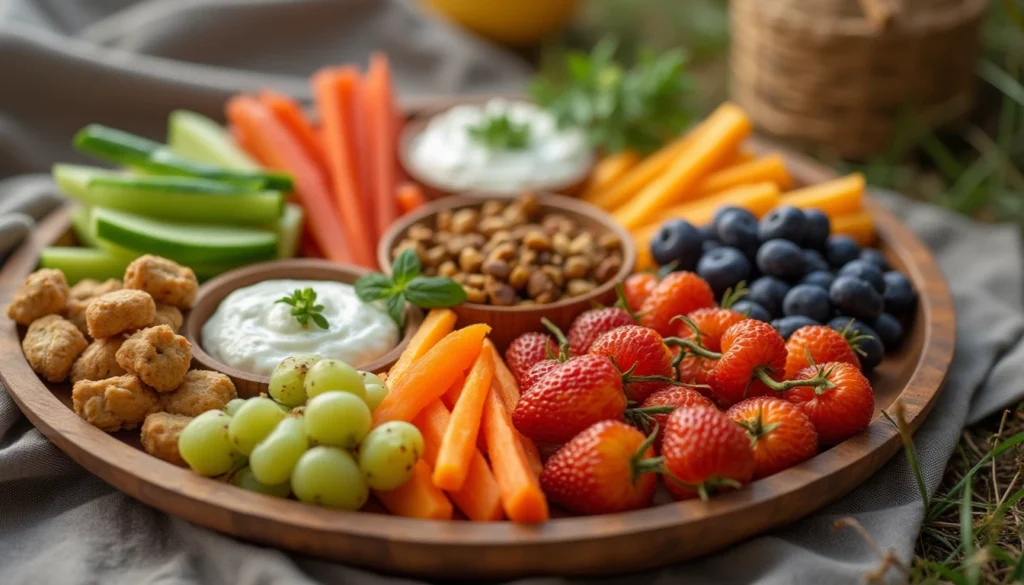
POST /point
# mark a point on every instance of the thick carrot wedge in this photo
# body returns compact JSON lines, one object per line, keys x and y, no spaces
{"x":358,"y":119}
{"x":451,"y":397}
{"x":716,"y":138}
{"x":418,"y":497}
{"x":768,"y":168}
{"x":508,"y":391}
{"x":521,"y":495}
{"x":460,"y":438}
{"x":294,"y":118}
{"x":741,"y":156}
{"x":479,"y":498}
{"x":437,"y":324}
{"x":431,"y":375}
{"x":245,"y":141}
{"x":410,"y":197}
{"x":859,"y":225}
{"x":639,"y":176}
{"x":836,"y":198}
{"x":272,"y":142}
{"x":381,"y":145}
{"x":608,"y":170}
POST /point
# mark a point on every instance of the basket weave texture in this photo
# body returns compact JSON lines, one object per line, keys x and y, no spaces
{"x":836,"y":74}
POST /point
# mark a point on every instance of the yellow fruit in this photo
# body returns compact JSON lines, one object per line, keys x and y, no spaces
{"x":859,"y":226}
{"x":513,"y":22}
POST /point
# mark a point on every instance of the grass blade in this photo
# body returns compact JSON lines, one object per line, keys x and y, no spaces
{"x":973,"y":572}
{"x":1001,"y":448}
{"x":1001,"y":80}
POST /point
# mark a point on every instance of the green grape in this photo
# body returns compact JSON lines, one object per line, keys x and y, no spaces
{"x":337,"y":418}
{"x":205,"y":446}
{"x":233,"y":405}
{"x":273,"y":459}
{"x":253,"y":422}
{"x":328,"y":374}
{"x":388,"y":453}
{"x":376,"y":390}
{"x":288,"y":379}
{"x":245,"y":479}
{"x":328,"y":476}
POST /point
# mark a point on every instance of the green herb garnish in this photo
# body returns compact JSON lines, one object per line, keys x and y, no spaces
{"x":304,"y":307}
{"x":407,"y":285}
{"x":640,"y":108}
{"x":499,"y":132}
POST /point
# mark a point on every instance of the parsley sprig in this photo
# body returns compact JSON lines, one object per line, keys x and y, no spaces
{"x":406,"y":285}
{"x":304,"y":307}
{"x":499,"y":132}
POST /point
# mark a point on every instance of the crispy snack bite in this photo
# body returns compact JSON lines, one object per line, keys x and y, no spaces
{"x":119,"y":312}
{"x":115,"y":403}
{"x":44,"y":292}
{"x":99,"y":361}
{"x":169,"y":315}
{"x":89,"y":288}
{"x":158,"y":356}
{"x":202,"y":390}
{"x":160,"y":435}
{"x":74,"y":311}
{"x":51,"y":345}
{"x":167,"y":281}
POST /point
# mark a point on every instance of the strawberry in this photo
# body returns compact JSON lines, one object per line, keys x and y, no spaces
{"x":602,"y":470}
{"x":817,"y":344}
{"x":585,"y":390}
{"x":671,"y":396}
{"x":528,"y":349}
{"x":711,"y":322}
{"x":538,"y":371}
{"x":592,"y":324}
{"x":779,"y":431}
{"x":637,"y":288}
{"x":836,"y":397}
{"x":692,"y":369}
{"x":680,"y":293}
{"x":640,"y":352}
{"x":704,"y":451}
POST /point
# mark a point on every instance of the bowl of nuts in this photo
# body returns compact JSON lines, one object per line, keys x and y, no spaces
{"x":519,"y":260}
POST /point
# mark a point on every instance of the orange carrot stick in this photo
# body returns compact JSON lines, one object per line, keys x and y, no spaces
{"x":437,"y":324}
{"x":290,"y":114}
{"x":508,"y":391}
{"x":245,"y":141}
{"x":418,"y":497}
{"x":431,"y":375}
{"x":459,"y":442}
{"x":308,"y":247}
{"x":357,"y":119}
{"x":608,"y":170}
{"x":410,"y":197}
{"x":380,"y":120}
{"x":768,"y":168}
{"x":272,"y":142}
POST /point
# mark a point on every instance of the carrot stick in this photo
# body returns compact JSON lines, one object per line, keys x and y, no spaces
{"x":358,"y":121}
{"x":769,"y":168}
{"x":741,"y":156}
{"x":459,"y":442}
{"x":836,"y":198}
{"x":521,"y":495}
{"x":380,"y":119}
{"x":410,"y":197}
{"x":245,"y":141}
{"x":479,"y":498}
{"x":858,"y":225}
{"x":289,"y":113}
{"x":272,"y":142}
{"x":437,"y":324}
{"x":608,"y":170}
{"x":431,"y":375}
{"x":335,"y":92}
{"x":308,"y":247}
{"x":451,"y":397}
{"x":508,"y":391}
{"x":641,"y":175}
{"x":418,"y":497}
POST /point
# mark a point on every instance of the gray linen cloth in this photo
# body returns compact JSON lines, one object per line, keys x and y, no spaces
{"x":126,"y":63}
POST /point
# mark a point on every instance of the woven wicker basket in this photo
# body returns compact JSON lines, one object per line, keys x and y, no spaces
{"x":836,"y":74}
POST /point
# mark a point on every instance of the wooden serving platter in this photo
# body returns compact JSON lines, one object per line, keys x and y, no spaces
{"x":568,"y":546}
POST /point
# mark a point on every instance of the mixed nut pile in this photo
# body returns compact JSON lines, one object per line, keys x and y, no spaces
{"x":510,"y":253}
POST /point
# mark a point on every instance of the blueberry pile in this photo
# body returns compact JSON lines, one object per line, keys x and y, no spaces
{"x":798,"y":273}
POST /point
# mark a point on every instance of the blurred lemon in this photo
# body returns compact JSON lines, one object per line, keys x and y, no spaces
{"x":513,"y":22}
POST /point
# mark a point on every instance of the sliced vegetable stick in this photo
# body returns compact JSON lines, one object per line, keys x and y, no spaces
{"x":521,"y":495}
{"x":451,"y":396}
{"x":308,"y":247}
{"x":272,"y":142}
{"x":294,"y":118}
{"x":418,"y":497}
{"x":508,"y":391}
{"x":741,"y":156}
{"x":431,"y":375}
{"x":358,"y":120}
{"x":479,"y":498}
{"x":437,"y":324}
{"x":640,"y":176}
{"x":608,"y":170}
{"x":859,"y":225}
{"x":380,"y":118}
{"x":245,"y":141}
{"x":768,"y":168}
{"x":460,"y":438}
{"x":837,"y":197}
{"x":410,"y":197}
{"x":718,"y":135}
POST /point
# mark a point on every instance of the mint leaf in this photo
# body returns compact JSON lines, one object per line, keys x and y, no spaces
{"x":434,"y":292}
{"x":405,"y":268}
{"x":304,"y":307}
{"x":320,"y":321}
{"x":396,"y":308}
{"x":373,"y":287}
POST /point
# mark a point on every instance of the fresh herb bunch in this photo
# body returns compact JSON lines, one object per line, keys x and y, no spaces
{"x":639,"y":108}
{"x":407,"y":285}
{"x":304,"y":307}
{"x":499,"y":132}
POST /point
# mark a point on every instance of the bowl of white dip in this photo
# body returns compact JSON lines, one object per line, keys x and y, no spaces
{"x":237,"y":327}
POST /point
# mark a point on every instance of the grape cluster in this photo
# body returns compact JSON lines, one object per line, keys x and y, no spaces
{"x":310,"y":437}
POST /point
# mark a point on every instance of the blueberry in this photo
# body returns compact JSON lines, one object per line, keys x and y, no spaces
{"x":723,"y":268}
{"x":722,"y":212}
{"x":866,"y":271}
{"x":814,"y":261}
{"x":785,"y":222}
{"x":822,"y":278}
{"x":709,"y":245}
{"x":707,"y":232}
{"x":787,"y":326}
{"x":841,"y":249}
{"x":869,"y":349}
{"x":817,"y":228}
{"x":679,"y":242}
{"x":752,"y":310}
{"x":856,"y":297}
{"x":738,"y":228}
{"x":768,"y":292}
{"x":781,"y":259}
{"x":899,"y":294}
{"x":889,"y":330}
{"x":809,"y":301}
{"x":875,"y":256}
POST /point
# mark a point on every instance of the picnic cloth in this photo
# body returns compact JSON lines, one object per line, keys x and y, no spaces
{"x":126,"y":63}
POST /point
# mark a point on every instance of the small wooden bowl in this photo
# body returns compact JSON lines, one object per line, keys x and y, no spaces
{"x":213,"y":292}
{"x":507,"y":323}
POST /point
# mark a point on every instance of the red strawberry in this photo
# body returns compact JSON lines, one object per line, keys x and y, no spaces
{"x":585,"y":390}
{"x":528,"y":349}
{"x":748,"y":347}
{"x":840,"y":405}
{"x":680,"y":293}
{"x":639,"y":351}
{"x":538,"y":371}
{"x":591,"y":324}
{"x":601,"y":470}
{"x":823,"y":343}
{"x":712,"y":323}
{"x":704,"y":451}
{"x":780,"y":432}
{"x":675,"y":397}
{"x":694,"y":369}
{"x":638,"y":287}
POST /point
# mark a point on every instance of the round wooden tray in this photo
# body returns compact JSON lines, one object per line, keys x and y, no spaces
{"x":569,"y":546}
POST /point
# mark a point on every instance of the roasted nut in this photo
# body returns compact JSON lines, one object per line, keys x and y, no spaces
{"x":555,"y":223}
{"x":409,"y":245}
{"x":497,"y":268}
{"x":443,"y":237}
{"x":527,"y":257}
{"x":463,"y":221}
{"x":519,"y":277}
{"x":490,"y":225}
{"x":606,"y":270}
{"x":444,"y":220}
{"x":581,"y":244}
{"x":515,"y":215}
{"x":420,"y":233}
{"x":537,"y":240}
{"x":526,"y":302}
{"x":544,"y":257}
{"x":548,"y":297}
{"x":475,"y":295}
{"x":557,"y":259}
{"x":555,"y":274}
{"x":576,"y":267}
{"x":561,"y":242}
{"x":455,"y":245}
{"x":447,"y":268}
{"x":609,"y":241}
{"x":491,"y":208}
{"x":470,"y":260}
{"x":578,"y":286}
{"x":476,"y":280}
{"x":529,"y":203}
{"x":475,"y":240}
{"x":540,"y":283}
{"x":459,"y":277}
{"x":499,"y":293}
{"x":500,"y":237}
{"x":435,"y":256}
{"x":505,"y":251}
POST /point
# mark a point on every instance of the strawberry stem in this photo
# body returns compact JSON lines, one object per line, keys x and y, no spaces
{"x":563,"y":343}
{"x":623,"y":304}
{"x":692,"y":347}
{"x":731,"y":295}
{"x":819,"y":381}
{"x":639,"y":464}
{"x":629,"y":378}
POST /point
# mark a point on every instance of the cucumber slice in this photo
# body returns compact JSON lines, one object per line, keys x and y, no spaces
{"x":289,"y":230}
{"x":199,"y":138}
{"x":183,"y":242}
{"x":81,"y":224}
{"x":81,"y":263}
{"x":171,"y":198}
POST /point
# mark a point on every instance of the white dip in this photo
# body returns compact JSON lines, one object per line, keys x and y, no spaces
{"x":252,"y":332}
{"x":446,"y":154}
